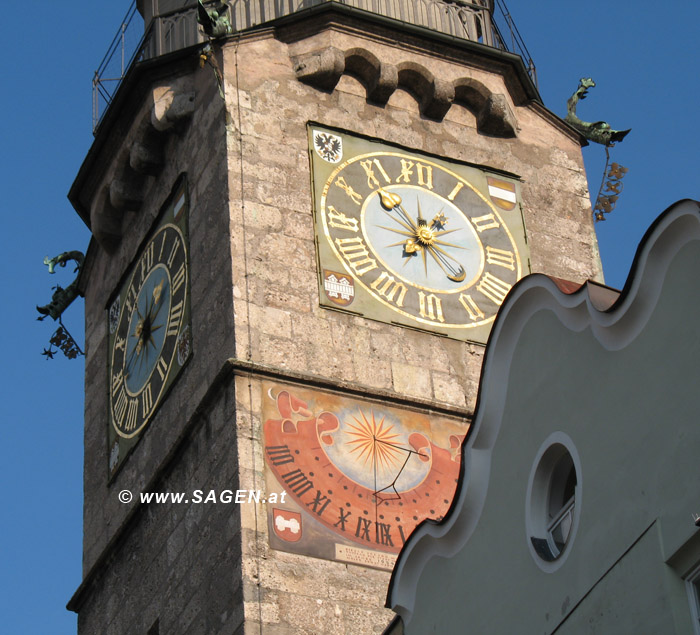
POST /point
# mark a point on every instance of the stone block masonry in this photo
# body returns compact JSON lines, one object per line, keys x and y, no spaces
{"x":255,"y":299}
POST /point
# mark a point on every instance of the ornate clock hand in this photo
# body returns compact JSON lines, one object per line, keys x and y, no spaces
{"x":439,"y":221}
{"x":425,"y":237}
{"x":142,"y":326}
{"x":442,"y":258}
{"x":421,"y":220}
{"x":151,"y":315}
{"x":129,"y":361}
{"x":157,"y":290}
{"x":391,"y":201}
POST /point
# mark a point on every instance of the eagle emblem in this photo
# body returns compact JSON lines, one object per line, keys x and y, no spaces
{"x":328,"y":146}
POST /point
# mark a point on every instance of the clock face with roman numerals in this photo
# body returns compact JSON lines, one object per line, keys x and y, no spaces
{"x":412,"y":239}
{"x":149,"y":329}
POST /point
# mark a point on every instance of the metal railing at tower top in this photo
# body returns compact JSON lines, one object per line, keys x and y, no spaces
{"x":116,"y":62}
{"x":487,"y":22}
{"x":503,"y":23}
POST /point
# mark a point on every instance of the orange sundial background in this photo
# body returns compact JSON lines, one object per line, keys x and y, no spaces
{"x":356,"y":473}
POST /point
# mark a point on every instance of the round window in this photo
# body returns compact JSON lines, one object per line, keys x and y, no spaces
{"x":553,"y":501}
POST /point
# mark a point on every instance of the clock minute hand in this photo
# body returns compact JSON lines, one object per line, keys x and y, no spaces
{"x":425,"y":237}
{"x":442,"y":258}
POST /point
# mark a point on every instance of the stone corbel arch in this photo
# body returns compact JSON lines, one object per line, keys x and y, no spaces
{"x":379,"y":79}
{"x":142,"y":155}
{"x":106,"y":221}
{"x":434,"y":95}
{"x":494,"y":116}
{"x":323,"y":68}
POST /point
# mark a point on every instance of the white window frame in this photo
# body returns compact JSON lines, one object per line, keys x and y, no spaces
{"x":540,"y":526}
{"x":692,"y":586}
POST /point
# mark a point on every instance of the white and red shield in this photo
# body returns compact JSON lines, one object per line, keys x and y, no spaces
{"x":339,"y":287}
{"x":502,"y":193}
{"x":287,"y":524}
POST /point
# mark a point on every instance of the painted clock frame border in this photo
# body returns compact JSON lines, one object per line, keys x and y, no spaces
{"x":360,"y":300}
{"x":123,"y":446}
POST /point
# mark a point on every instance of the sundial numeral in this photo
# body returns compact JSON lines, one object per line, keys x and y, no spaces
{"x":279,"y":454}
{"x":383,"y":534}
{"x":363,"y":528}
{"x":297,"y":482}
{"x":319,"y":503}
{"x":342,"y":519}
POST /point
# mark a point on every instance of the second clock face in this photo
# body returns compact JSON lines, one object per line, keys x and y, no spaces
{"x":146,"y":336}
{"x":149,"y":329}
{"x":415,"y":240}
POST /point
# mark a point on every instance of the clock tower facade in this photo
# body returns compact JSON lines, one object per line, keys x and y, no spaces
{"x":301,"y":234}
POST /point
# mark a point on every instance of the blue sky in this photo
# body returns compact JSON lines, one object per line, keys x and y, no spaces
{"x":642,"y":57}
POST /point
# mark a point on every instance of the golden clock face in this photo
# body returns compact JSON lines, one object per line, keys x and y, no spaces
{"x":149,"y":330}
{"x":411,"y":239}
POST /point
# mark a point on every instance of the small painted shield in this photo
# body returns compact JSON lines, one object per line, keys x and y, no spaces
{"x":339,"y":287}
{"x":287,"y":524}
{"x":502,"y":193}
{"x":328,"y":146}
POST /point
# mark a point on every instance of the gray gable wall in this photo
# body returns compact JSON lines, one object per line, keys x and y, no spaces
{"x":622,"y":386}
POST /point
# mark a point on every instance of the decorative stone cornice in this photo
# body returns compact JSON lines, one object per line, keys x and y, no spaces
{"x":124,"y":186}
{"x":323,"y":69}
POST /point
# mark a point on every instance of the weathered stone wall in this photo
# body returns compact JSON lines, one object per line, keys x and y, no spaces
{"x":255,"y":298}
{"x":279,"y":322}
{"x":178,"y":564}
{"x":196,"y":148}
{"x":175,"y":563}
{"x":273,"y":238}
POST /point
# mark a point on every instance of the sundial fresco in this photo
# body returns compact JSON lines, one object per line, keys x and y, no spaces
{"x":359,"y":475}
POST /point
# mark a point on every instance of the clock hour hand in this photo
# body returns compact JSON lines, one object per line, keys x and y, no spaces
{"x":392,"y":201}
{"x":135,"y":351}
{"x":425,"y":236}
{"x":157,"y":290}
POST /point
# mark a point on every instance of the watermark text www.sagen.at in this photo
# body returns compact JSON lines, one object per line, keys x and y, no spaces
{"x":198,"y":496}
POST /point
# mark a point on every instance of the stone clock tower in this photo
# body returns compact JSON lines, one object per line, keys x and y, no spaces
{"x":302,"y":230}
